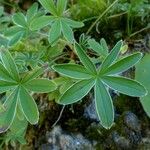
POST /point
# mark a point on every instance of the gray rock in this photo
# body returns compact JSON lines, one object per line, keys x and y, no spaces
{"x":132,"y":121}
{"x":90,"y":111}
{"x":121,"y":142}
{"x":59,"y":140}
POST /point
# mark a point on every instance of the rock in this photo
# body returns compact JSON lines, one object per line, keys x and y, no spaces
{"x":90,"y":112}
{"x":132,"y":122}
{"x":121,"y":142}
{"x":59,"y":140}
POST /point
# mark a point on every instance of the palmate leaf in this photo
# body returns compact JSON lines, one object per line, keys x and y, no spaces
{"x":85,"y":59}
{"x":123,"y":64}
{"x":28,"y":106}
{"x":9,"y":63}
{"x":104,"y":105}
{"x":7,"y":117}
{"x":76,"y":92}
{"x":73,"y":71}
{"x":40,"y":85}
{"x":125,"y":85}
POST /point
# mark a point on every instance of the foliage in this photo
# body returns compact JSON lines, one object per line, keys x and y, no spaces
{"x":20,"y":86}
{"x":41,"y":42}
{"x":101,"y":79}
{"x":142,"y":75}
{"x":59,"y":23}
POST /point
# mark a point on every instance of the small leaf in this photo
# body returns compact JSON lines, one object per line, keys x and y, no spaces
{"x":77,"y":91}
{"x":125,"y":86}
{"x":28,"y":106}
{"x":40,"y":22}
{"x":4,"y":74}
{"x":9,"y":63}
{"x":61,"y":6}
{"x":6,"y":86}
{"x":67,"y":31}
{"x":104,"y":45}
{"x":20,"y":19}
{"x":7,"y":117}
{"x":31,"y":12}
{"x":16,"y":38}
{"x":104,"y":105}
{"x":40,"y":85}
{"x":55,"y":32}
{"x":112,"y":56}
{"x":123,"y":64}
{"x":72,"y":23}
{"x":73,"y":71}
{"x":12,"y":30}
{"x":32,"y":74}
{"x":49,"y":6}
{"x":97,"y":47}
{"x":85,"y":59}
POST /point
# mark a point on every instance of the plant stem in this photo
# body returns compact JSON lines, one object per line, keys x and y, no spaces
{"x":91,"y":27}
{"x":137,"y":32}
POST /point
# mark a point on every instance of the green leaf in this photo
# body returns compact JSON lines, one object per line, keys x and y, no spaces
{"x":104,"y":45}
{"x":19,"y":19}
{"x":123,"y":64}
{"x":67,"y":31}
{"x":4,"y":74}
{"x":97,"y":47}
{"x":112,"y":56}
{"x":32,"y":74}
{"x":104,"y":105}
{"x":40,"y":22}
{"x":76,"y":92}
{"x":17,"y":37}
{"x":31,"y":12}
{"x":40,"y":85}
{"x":6,"y":86}
{"x":142,"y":74}
{"x":9,"y":63}
{"x":85,"y":59}
{"x":7,"y":117}
{"x":125,"y":86}
{"x":49,"y":5}
{"x":55,"y":32}
{"x":72,"y":23}
{"x":61,"y":6}
{"x":28,"y":106}
{"x":73,"y":71}
{"x":12,"y":30}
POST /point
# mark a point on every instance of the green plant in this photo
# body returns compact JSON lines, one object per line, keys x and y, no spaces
{"x":142,"y":74}
{"x":22,"y":27}
{"x":28,"y":46}
{"x":59,"y":23}
{"x":101,"y":79}
{"x":19,"y":88}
